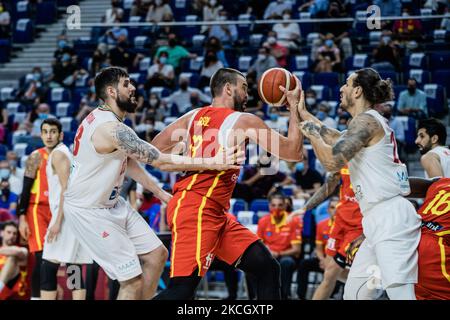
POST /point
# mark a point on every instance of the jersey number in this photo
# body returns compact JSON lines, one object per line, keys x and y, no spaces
{"x":440,"y":201}
{"x":396,"y":159}
{"x":77,"y":140}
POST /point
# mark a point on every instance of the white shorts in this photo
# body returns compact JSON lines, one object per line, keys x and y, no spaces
{"x":113,"y":237}
{"x":389,"y":252}
{"x":66,"y":248}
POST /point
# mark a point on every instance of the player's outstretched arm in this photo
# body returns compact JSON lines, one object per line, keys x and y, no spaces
{"x":126,"y":140}
{"x":140,"y":175}
{"x":61,"y":165}
{"x":20,"y":253}
{"x":360,"y":131}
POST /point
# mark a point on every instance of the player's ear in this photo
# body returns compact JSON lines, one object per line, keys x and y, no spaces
{"x":357,"y":92}
{"x":111,"y":91}
{"x":228,"y":89}
{"x":434,"y":139}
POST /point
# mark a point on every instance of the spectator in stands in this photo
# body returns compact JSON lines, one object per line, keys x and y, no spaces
{"x":277,"y":50}
{"x":157,"y":10}
{"x":156,"y":105}
{"x":409,"y":29}
{"x":115,"y":35}
{"x":15,"y":173}
{"x":316,"y":263}
{"x":288,"y":34}
{"x":214,"y":44}
{"x":263,"y":62}
{"x":88,"y":103}
{"x":5,"y":22}
{"x":282,"y":238}
{"x":386,"y":56}
{"x":99,"y":59}
{"x":35,"y":118}
{"x":8,"y":199}
{"x":3,"y":123}
{"x":112,"y":13}
{"x":160,"y":74}
{"x":161,"y":34}
{"x":308,"y":179}
{"x":389,"y":7}
{"x":343,"y":122}
{"x":210,"y":65}
{"x":122,"y":56}
{"x":140,"y":7}
{"x":176,"y":52}
{"x":254,"y":103}
{"x":328,"y":58}
{"x":182,"y":97}
{"x":311,"y":101}
{"x":323,"y":115}
{"x":413,"y":101}
{"x":276,"y":8}
{"x":227,"y":34}
{"x":34,"y":87}
{"x":147,"y":124}
{"x":211,"y":11}
{"x":63,"y":47}
{"x":64,"y":72}
{"x":317,"y":8}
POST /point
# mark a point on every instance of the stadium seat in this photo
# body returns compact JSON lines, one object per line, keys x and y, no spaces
{"x":374,"y":38}
{"x":179,"y":8}
{"x":389,"y":74}
{"x":311,"y":37}
{"x":442,"y":77}
{"x":69,"y":137}
{"x":20,"y":148}
{"x":439,"y":36}
{"x":64,"y":109}
{"x":46,"y":12}
{"x":416,"y":60}
{"x":23,"y":32}
{"x":69,"y":123}
{"x":439,"y":60}
{"x":304,"y":77}
{"x":57,"y":95}
{"x":138,"y":77}
{"x":357,"y":61}
{"x":306,"y":27}
{"x":140,"y":41}
{"x":82,"y":79}
{"x":156,"y":173}
{"x":7,"y":94}
{"x":193,"y":78}
{"x":5,"y":50}
{"x":322,"y":92}
{"x":22,"y":10}
{"x":422,"y":76}
{"x":237,"y":205}
{"x":436,"y":100}
{"x":259,"y":205}
{"x":145,"y":64}
{"x":244,"y":63}
{"x":256,"y":40}
{"x":245,"y":217}
{"x":14,"y":107}
{"x":300,"y":63}
{"x":198,"y":40}
{"x":329,"y":79}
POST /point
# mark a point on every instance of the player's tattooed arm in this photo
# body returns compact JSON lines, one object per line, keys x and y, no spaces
{"x":32,"y":165}
{"x":324,"y":192}
{"x":360,"y":131}
{"x":329,"y":135}
{"x":127,"y":141}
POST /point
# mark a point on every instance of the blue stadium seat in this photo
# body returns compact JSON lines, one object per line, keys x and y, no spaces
{"x":5,"y":50}
{"x":410,"y":134}
{"x":3,"y":150}
{"x":22,"y":10}
{"x":23,"y":32}
{"x":56,"y":95}
{"x":238,"y":205}
{"x":299,"y":63}
{"x":422,"y":76}
{"x":329,"y":79}
{"x":442,"y":77}
{"x":244,"y":63}
{"x":304,"y":77}
{"x":436,"y":100}
{"x":438,"y":60}
{"x":389,"y":74}
{"x":69,"y":137}
{"x":259,"y":205}
{"x":322,"y":92}
{"x":416,"y":60}
{"x":46,"y":12}
{"x":357,"y":61}
{"x":156,"y":173}
{"x":179,"y":9}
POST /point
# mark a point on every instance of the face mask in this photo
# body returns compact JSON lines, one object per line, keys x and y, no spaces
{"x":4,"y":173}
{"x":92,"y":89}
{"x":276,"y":213}
{"x":286,"y":16}
{"x":62,"y":44}
{"x":222,"y":18}
{"x":65,"y":57}
{"x":183,"y":86}
{"x":261,"y":56}
{"x":163,"y":60}
{"x":274,"y":117}
{"x":271,"y":40}
{"x":43,"y":116}
{"x":12,"y":163}
{"x":321,"y":115}
{"x":153,"y":102}
{"x":213,"y":3}
{"x":386,"y":40}
{"x":299,"y":167}
{"x":158,"y":2}
{"x":36,"y":76}
{"x":329,"y":43}
{"x":412,"y":90}
{"x":310,"y":101}
{"x":405,"y":14}
{"x":342,"y":127}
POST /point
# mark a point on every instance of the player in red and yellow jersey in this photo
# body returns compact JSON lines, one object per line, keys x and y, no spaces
{"x":34,"y":210}
{"x":196,"y":213}
{"x":14,"y":276}
{"x":434,"y":247}
{"x":283,"y":239}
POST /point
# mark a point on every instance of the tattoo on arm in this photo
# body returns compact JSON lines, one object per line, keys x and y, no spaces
{"x":329,"y":135}
{"x":312,"y":128}
{"x":325,"y":191}
{"x":134,"y":147}
{"x":358,"y":135}
{"x":32,"y":165}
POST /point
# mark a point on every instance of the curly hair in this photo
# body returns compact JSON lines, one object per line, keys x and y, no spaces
{"x":375,"y":89}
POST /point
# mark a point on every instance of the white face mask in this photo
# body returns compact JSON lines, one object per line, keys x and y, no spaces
{"x":405,"y":14}
{"x":310,"y":101}
{"x":271,"y":40}
{"x":261,"y":56}
{"x":163,"y":60}
{"x":286,"y":16}
{"x":153,"y":102}
{"x":213,"y":3}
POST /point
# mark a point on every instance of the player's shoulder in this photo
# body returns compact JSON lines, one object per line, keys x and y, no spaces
{"x":429,"y":156}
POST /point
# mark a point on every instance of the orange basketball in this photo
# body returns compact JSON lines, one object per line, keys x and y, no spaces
{"x":269,"y":83}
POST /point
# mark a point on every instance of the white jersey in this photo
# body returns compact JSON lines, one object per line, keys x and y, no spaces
{"x":95,"y":179}
{"x":444,"y":158}
{"x":376,"y":172}
{"x":54,"y":186}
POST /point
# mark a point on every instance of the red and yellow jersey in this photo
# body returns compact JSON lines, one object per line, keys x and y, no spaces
{"x":208,"y":132}
{"x":39,"y":191}
{"x":323,"y":231}
{"x":279,"y":236}
{"x":21,"y":289}
{"x":436,"y":207}
{"x":348,"y":207}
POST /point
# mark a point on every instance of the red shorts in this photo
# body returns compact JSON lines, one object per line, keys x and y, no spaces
{"x":341,"y":235}
{"x":38,"y":217}
{"x":434,"y":267}
{"x":200,"y":232}
{"x":18,"y":289}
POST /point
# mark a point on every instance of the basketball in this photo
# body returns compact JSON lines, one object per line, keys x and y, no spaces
{"x":269,"y":86}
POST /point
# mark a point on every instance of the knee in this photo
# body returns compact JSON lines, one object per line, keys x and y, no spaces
{"x":155,"y":259}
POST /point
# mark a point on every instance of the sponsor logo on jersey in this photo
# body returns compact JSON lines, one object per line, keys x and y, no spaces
{"x":105,"y":234}
{"x":127,"y":266}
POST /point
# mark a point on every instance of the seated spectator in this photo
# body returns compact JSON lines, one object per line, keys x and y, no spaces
{"x":214,"y":44}
{"x":15,"y":173}
{"x":156,"y":105}
{"x":63,"y":47}
{"x":254,"y":102}
{"x":288,"y":34}
{"x":210,"y":66}
{"x":308,"y":179}
{"x":88,"y":103}
{"x":311,"y":101}
{"x":317,"y":8}
{"x":407,"y":30}
{"x":160,"y":74}
{"x":5,"y":22}
{"x":226,"y":33}
{"x":282,"y":238}
{"x":122,"y":56}
{"x":157,"y":10}
{"x":35,"y":118}
{"x":140,"y":7}
{"x":386,"y":55}
{"x":323,"y":115}
{"x":115,"y":35}
{"x":413,"y":101}
{"x":14,"y":260}
{"x":176,"y":52}
{"x":99,"y":59}
{"x":8,"y":199}
{"x":317,"y":263}
{"x":343,"y":122}
{"x":182,"y":97}
{"x":328,"y":58}
{"x":195,"y":100}
{"x":161,"y":34}
{"x":64,"y":72}
{"x":276,"y":9}
{"x":263,"y":61}
{"x":34,"y":87}
{"x":112,"y":13}
{"x":277,"y":50}
{"x":211,"y":11}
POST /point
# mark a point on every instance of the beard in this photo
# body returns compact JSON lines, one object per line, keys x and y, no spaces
{"x":128,"y":105}
{"x":346,"y":103}
{"x":425,"y":148}
{"x":239,"y":103}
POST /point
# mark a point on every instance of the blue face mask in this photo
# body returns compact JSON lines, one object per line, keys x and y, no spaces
{"x":321,"y":115}
{"x":274,"y":117}
{"x":342,"y":127}
{"x":43,"y":116}
{"x":329,"y":43}
{"x":62,"y":44}
{"x":65,"y":57}
{"x":4,"y":173}
{"x":299,"y":167}
{"x":92,"y":88}
{"x":36,"y":76}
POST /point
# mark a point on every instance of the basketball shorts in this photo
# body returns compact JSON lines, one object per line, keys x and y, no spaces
{"x":38,"y":218}
{"x":16,"y":288}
